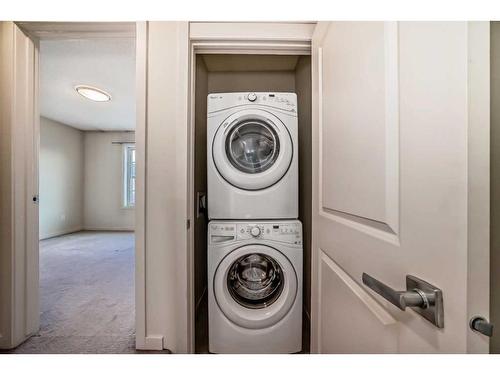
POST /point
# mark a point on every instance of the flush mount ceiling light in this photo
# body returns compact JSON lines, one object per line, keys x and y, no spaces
{"x":93,"y":93}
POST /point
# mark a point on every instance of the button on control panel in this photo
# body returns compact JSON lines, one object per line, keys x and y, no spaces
{"x":252,"y":97}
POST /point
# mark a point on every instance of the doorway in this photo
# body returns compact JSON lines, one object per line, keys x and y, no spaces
{"x":225,"y":73}
{"x":87,"y":164}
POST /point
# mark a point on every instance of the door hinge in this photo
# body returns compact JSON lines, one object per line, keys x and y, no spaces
{"x":188,"y":223}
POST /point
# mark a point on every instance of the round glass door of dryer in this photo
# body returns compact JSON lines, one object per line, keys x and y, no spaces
{"x":252,"y":146}
{"x":255,"y":286}
{"x":252,"y":149}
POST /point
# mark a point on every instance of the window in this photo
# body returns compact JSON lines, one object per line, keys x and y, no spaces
{"x":128,"y":175}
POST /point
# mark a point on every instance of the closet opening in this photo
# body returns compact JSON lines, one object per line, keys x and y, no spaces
{"x":259,"y":73}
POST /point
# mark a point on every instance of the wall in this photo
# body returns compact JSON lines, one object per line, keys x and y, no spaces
{"x":61,"y":179}
{"x":81,"y":180}
{"x":200,"y":220}
{"x":251,"y":81}
{"x":103,"y":175}
{"x":303,"y":89}
{"x":495,"y":185}
{"x":163,"y":289}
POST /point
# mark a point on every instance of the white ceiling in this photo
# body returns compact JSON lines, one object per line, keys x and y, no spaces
{"x":108,"y":64}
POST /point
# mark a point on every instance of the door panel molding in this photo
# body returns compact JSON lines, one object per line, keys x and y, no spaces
{"x":370,"y":312}
{"x":366,"y":298}
{"x":385,"y":227}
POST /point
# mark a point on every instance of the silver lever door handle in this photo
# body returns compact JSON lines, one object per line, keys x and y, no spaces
{"x":422,"y":297}
{"x":481,"y":325}
{"x":402,"y":299}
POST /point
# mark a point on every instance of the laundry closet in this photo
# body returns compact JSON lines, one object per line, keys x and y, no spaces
{"x":232,"y":73}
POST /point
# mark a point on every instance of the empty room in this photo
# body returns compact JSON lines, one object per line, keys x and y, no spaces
{"x":86,"y":197}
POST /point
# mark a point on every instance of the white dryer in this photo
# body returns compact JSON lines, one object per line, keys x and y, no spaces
{"x":255,"y":286}
{"x":252,"y":156}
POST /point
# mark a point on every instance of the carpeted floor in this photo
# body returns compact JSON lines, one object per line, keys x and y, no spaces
{"x":86,"y":294}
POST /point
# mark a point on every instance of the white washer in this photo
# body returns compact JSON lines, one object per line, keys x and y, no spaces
{"x":252,"y":156}
{"x":255,"y":286}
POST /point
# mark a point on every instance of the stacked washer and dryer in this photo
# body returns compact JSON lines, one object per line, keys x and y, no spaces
{"x":254,"y":237}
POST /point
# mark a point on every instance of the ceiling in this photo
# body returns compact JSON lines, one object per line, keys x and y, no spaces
{"x":108,"y":64}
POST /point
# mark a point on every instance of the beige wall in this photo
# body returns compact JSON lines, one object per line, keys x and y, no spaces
{"x":61,"y":179}
{"x":303,"y":89}
{"x":251,"y":81}
{"x":81,"y":180}
{"x":162,"y":296}
{"x":103,"y":176}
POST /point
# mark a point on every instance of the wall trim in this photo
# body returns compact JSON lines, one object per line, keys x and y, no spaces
{"x":141,"y":56}
{"x":78,"y":30}
{"x":152,"y":342}
{"x":62,"y":232}
{"x":108,"y":229}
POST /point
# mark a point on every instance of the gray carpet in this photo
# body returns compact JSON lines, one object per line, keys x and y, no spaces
{"x":86,"y":294}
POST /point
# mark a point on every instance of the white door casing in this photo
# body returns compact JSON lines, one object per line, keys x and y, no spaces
{"x":391,"y":149}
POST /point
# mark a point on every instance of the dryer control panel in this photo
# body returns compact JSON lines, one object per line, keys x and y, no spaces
{"x":288,"y":232}
{"x":286,"y":101}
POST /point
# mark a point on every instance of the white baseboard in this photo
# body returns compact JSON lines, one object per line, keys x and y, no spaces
{"x":152,"y":342}
{"x":107,"y":229}
{"x":61,"y":232}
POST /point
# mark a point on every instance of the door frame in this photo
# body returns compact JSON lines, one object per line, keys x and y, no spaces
{"x":37,"y":31}
{"x":478,"y":183}
{"x":266,"y":38}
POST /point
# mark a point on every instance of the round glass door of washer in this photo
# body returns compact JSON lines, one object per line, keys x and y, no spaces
{"x":255,"y":286}
{"x":255,"y":280}
{"x":252,"y":151}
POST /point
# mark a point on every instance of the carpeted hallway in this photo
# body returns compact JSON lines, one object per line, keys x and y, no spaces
{"x":86,"y":294}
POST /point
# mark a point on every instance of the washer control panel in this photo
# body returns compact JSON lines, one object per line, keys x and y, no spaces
{"x":289,"y":232}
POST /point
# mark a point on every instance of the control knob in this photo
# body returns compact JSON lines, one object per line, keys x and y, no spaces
{"x":255,"y":231}
{"x":252,"y":97}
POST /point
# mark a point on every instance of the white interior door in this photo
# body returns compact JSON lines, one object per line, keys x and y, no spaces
{"x":19,"y":315}
{"x":393,"y":121}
